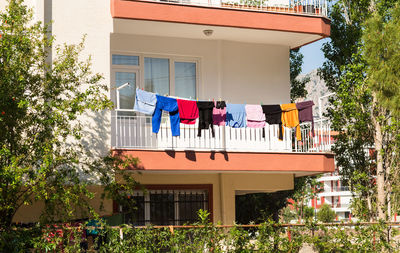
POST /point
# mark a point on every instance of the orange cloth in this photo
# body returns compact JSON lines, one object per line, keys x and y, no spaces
{"x":290,"y":118}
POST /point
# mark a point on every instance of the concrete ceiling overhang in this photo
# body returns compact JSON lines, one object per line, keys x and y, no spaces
{"x":186,"y":21}
{"x":191,"y":31}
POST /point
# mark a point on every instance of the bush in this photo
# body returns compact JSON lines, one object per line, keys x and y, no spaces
{"x":308,"y":212}
{"x":326,"y":214}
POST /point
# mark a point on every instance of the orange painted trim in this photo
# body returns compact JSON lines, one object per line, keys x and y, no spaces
{"x":167,"y":12}
{"x":168,"y":160}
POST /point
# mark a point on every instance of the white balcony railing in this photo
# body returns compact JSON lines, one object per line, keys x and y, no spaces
{"x":135,"y":132}
{"x":307,"y":7}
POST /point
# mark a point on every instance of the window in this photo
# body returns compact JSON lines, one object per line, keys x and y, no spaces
{"x":156,"y":75}
{"x":126,"y":94}
{"x":118,"y":59}
{"x":163,"y":75}
{"x":167,"y":207}
{"x":185,"y":79}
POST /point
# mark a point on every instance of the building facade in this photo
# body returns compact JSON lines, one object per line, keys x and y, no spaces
{"x":335,"y":194}
{"x":203,"y":50}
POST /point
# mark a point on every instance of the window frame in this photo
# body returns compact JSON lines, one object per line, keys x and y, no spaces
{"x":139,"y":69}
{"x":208,"y":188}
{"x":114,"y":88}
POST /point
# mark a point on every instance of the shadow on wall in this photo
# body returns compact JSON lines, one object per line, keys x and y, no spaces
{"x":191,"y":154}
{"x":224,"y":153}
{"x":96,"y":131}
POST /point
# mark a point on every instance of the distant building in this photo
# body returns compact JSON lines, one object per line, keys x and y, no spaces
{"x":335,"y":194}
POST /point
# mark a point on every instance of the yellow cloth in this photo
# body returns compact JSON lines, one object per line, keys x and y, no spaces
{"x":290,"y":118}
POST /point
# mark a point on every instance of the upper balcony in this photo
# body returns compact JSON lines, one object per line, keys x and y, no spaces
{"x":291,"y":23}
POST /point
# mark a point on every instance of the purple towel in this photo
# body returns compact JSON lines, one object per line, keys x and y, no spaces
{"x":305,"y":113}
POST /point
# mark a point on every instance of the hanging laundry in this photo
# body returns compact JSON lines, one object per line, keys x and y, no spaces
{"x":236,"y":115}
{"x":170,"y":105}
{"x":145,"y":102}
{"x":273,"y":115}
{"x":255,"y":116}
{"x":188,"y":111}
{"x":219,"y":113}
{"x":306,"y":113}
{"x":290,"y":118}
{"x":205,"y":116}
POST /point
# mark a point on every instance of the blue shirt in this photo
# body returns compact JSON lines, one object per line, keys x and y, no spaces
{"x":145,"y":102}
{"x":236,"y":115}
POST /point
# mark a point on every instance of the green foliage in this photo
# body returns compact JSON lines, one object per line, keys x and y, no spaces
{"x":44,"y":151}
{"x":267,"y":237}
{"x":253,"y":2}
{"x":326,"y":214}
{"x":381,"y":51}
{"x":305,"y":189}
{"x":364,"y":121}
{"x":288,"y":214}
{"x":297,"y":85}
{"x":309,"y":212}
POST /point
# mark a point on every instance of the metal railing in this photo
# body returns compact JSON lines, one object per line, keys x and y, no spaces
{"x":307,"y":7}
{"x":135,"y":132}
{"x":336,"y":188}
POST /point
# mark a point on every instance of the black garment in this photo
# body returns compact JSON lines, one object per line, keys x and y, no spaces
{"x":273,"y":115}
{"x":220,"y":105}
{"x":205,"y":116}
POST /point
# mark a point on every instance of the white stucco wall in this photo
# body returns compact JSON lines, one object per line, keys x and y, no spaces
{"x":234,"y":71}
{"x":72,"y":20}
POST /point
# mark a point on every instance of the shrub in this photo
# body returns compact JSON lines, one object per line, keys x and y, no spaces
{"x":326,"y":214}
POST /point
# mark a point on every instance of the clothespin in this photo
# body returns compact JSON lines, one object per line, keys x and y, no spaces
{"x":213,"y":101}
{"x":219,"y":99}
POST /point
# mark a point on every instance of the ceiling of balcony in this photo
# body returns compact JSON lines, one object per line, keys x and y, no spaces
{"x":193,"y":31}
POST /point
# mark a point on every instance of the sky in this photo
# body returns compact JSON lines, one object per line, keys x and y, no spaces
{"x":313,"y":56}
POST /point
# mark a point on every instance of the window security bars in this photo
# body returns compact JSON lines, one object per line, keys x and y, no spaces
{"x":166,"y":207}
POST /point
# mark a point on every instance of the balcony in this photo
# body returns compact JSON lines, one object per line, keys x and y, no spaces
{"x":135,"y":132}
{"x":291,"y":23}
{"x":336,"y":191}
{"x":305,"y":7}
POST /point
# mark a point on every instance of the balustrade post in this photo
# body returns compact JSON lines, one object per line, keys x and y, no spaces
{"x":224,"y":138}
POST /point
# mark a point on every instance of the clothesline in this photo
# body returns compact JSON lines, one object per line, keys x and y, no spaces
{"x":210,"y":113}
{"x":166,"y":95}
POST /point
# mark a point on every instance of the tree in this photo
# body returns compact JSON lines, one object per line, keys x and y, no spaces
{"x":326,"y":214}
{"x":381,"y":54}
{"x":42,"y":157}
{"x":297,"y":85}
{"x":367,"y":140}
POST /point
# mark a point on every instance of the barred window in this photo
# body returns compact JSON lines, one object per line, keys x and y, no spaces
{"x":166,"y":207}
